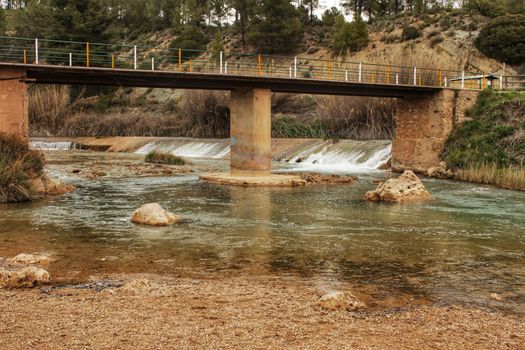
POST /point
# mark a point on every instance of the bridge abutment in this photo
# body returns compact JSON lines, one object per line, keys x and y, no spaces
{"x":423,"y":126}
{"x":14,"y":120}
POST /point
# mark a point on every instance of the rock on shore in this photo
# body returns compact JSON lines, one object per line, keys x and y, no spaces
{"x":153,"y":214}
{"x":406,"y":188}
{"x":25,"y":277}
{"x":340,"y":301}
{"x":44,"y":186}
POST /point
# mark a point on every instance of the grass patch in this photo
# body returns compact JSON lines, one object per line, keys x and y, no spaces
{"x":490,"y":148}
{"x":164,"y":158}
{"x":18,"y":165}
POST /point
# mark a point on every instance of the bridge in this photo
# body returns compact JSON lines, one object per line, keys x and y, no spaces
{"x":431,"y":100}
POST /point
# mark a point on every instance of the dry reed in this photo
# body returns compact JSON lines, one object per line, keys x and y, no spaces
{"x":510,"y":178}
{"x":357,"y":117}
{"x":48,"y":107}
{"x":205,"y":113}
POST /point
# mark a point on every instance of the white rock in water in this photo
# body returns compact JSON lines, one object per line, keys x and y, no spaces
{"x":26,"y":277}
{"x":340,"y":301}
{"x":406,"y":188}
{"x":31,"y":259}
{"x":153,"y":214}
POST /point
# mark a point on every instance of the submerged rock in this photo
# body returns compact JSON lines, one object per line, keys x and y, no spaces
{"x":340,"y":301}
{"x":44,"y":186}
{"x":440,"y":172}
{"x":26,"y":277}
{"x":31,"y":259}
{"x":153,"y":214}
{"x":406,"y":188}
{"x":317,"y":178}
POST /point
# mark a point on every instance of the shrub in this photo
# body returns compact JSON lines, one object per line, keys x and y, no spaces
{"x":472,"y":26}
{"x":495,"y":135}
{"x":436,"y":40}
{"x":191,"y":38}
{"x":18,"y":165}
{"x":503,"y":39}
{"x":410,"y":33}
{"x":488,"y":8}
{"x":349,"y":36}
{"x":433,"y":33}
{"x":164,"y":158}
{"x":445,"y":22}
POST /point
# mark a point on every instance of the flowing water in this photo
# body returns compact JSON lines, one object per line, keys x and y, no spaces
{"x":466,"y":244}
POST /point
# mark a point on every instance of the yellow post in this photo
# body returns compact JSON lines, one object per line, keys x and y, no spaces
{"x":484,"y":84}
{"x":87,"y":54}
{"x":440,"y":78}
{"x":329,"y":70}
{"x":388,"y":74}
{"x":180,"y":59}
{"x":259,"y":65}
{"x":113,"y":61}
{"x":25,"y":56}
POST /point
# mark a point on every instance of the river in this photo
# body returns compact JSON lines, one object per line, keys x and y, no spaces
{"x":467,"y":243}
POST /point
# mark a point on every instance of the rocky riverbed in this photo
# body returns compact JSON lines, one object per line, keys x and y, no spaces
{"x":232,"y":312}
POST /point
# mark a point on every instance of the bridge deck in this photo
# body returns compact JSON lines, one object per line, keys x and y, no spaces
{"x":52,"y":74}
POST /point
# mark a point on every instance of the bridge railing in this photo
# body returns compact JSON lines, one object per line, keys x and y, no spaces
{"x":125,"y":56}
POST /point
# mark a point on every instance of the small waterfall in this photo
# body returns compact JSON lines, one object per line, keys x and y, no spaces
{"x":191,"y":148}
{"x":344,"y":155}
{"x":51,"y":146}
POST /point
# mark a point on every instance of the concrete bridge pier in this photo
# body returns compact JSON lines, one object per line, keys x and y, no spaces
{"x":14,"y":120}
{"x":251,"y":142}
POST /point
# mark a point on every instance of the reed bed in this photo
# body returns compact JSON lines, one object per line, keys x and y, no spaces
{"x":49,"y":106}
{"x":509,"y":178}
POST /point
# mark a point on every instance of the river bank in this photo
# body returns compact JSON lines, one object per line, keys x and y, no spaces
{"x":231,"y":312}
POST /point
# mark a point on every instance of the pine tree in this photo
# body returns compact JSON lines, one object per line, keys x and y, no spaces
{"x":276,"y":27}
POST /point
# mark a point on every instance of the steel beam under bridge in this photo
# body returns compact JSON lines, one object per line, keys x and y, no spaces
{"x":49,"y":74}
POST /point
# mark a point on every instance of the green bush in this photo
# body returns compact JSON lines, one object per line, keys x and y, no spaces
{"x":191,"y":38}
{"x":445,"y":22}
{"x":503,"y":38}
{"x":488,"y":8}
{"x":494,"y":136}
{"x":349,"y":36}
{"x":436,"y":40}
{"x":410,"y":33}
{"x":18,"y":165}
{"x":163,"y":158}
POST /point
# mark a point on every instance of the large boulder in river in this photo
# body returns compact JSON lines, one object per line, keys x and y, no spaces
{"x":153,"y":214}
{"x":406,"y":188}
{"x":23,"y":278}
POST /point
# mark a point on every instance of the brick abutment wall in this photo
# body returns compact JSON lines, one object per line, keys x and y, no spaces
{"x":423,"y":126}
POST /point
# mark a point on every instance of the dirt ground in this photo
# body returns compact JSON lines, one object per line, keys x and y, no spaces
{"x":237,"y":312}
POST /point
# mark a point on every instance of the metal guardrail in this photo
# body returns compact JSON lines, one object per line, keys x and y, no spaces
{"x":513,"y":82}
{"x":115,"y":56}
